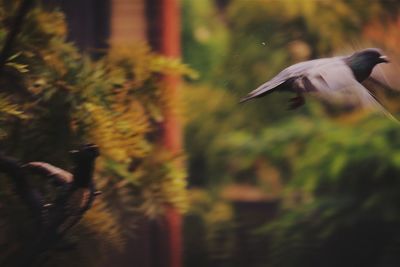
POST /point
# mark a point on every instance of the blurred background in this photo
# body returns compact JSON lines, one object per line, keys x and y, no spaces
{"x":190,"y":177}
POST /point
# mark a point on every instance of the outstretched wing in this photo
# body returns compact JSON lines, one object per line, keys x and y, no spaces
{"x":335,"y":83}
{"x":264,"y":89}
{"x":290,"y":73}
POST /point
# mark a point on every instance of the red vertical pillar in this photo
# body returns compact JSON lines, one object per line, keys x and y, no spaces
{"x":172,"y":132}
{"x":170,"y":47}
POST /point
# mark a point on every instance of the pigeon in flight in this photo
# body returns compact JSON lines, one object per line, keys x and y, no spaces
{"x":336,"y":80}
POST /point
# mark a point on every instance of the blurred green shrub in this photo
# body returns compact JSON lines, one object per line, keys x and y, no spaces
{"x":205,"y":38}
{"x":340,"y":193}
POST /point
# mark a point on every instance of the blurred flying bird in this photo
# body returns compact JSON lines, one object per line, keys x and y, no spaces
{"x":336,"y":80}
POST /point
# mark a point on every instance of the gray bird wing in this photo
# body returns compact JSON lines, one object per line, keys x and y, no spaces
{"x":293,"y":72}
{"x":334,"y":82}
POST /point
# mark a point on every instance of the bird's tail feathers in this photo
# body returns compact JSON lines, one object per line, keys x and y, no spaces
{"x":246,"y":98}
{"x":262,"y":90}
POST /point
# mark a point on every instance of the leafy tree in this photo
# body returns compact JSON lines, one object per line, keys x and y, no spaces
{"x":53,"y":98}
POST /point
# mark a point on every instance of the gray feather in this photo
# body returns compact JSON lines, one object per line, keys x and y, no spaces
{"x":290,"y":73}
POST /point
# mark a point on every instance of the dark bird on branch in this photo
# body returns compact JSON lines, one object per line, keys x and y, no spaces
{"x":78,"y":188}
{"x":75,"y":197}
{"x":336,"y":80}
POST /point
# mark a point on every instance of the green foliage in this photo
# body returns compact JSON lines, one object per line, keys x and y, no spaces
{"x":343,"y":181}
{"x":163,"y":180}
{"x":209,"y":230}
{"x":206,"y":128}
{"x":340,"y":196}
{"x":204,"y":38}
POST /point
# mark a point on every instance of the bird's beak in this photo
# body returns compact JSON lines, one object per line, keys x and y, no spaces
{"x":384,"y":59}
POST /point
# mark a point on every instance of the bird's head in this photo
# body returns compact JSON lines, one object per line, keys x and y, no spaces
{"x":85,"y":152}
{"x":370,"y":56}
{"x":362,"y":62}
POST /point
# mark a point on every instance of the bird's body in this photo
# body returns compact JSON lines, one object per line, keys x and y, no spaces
{"x":77,"y":189}
{"x":336,"y":80}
